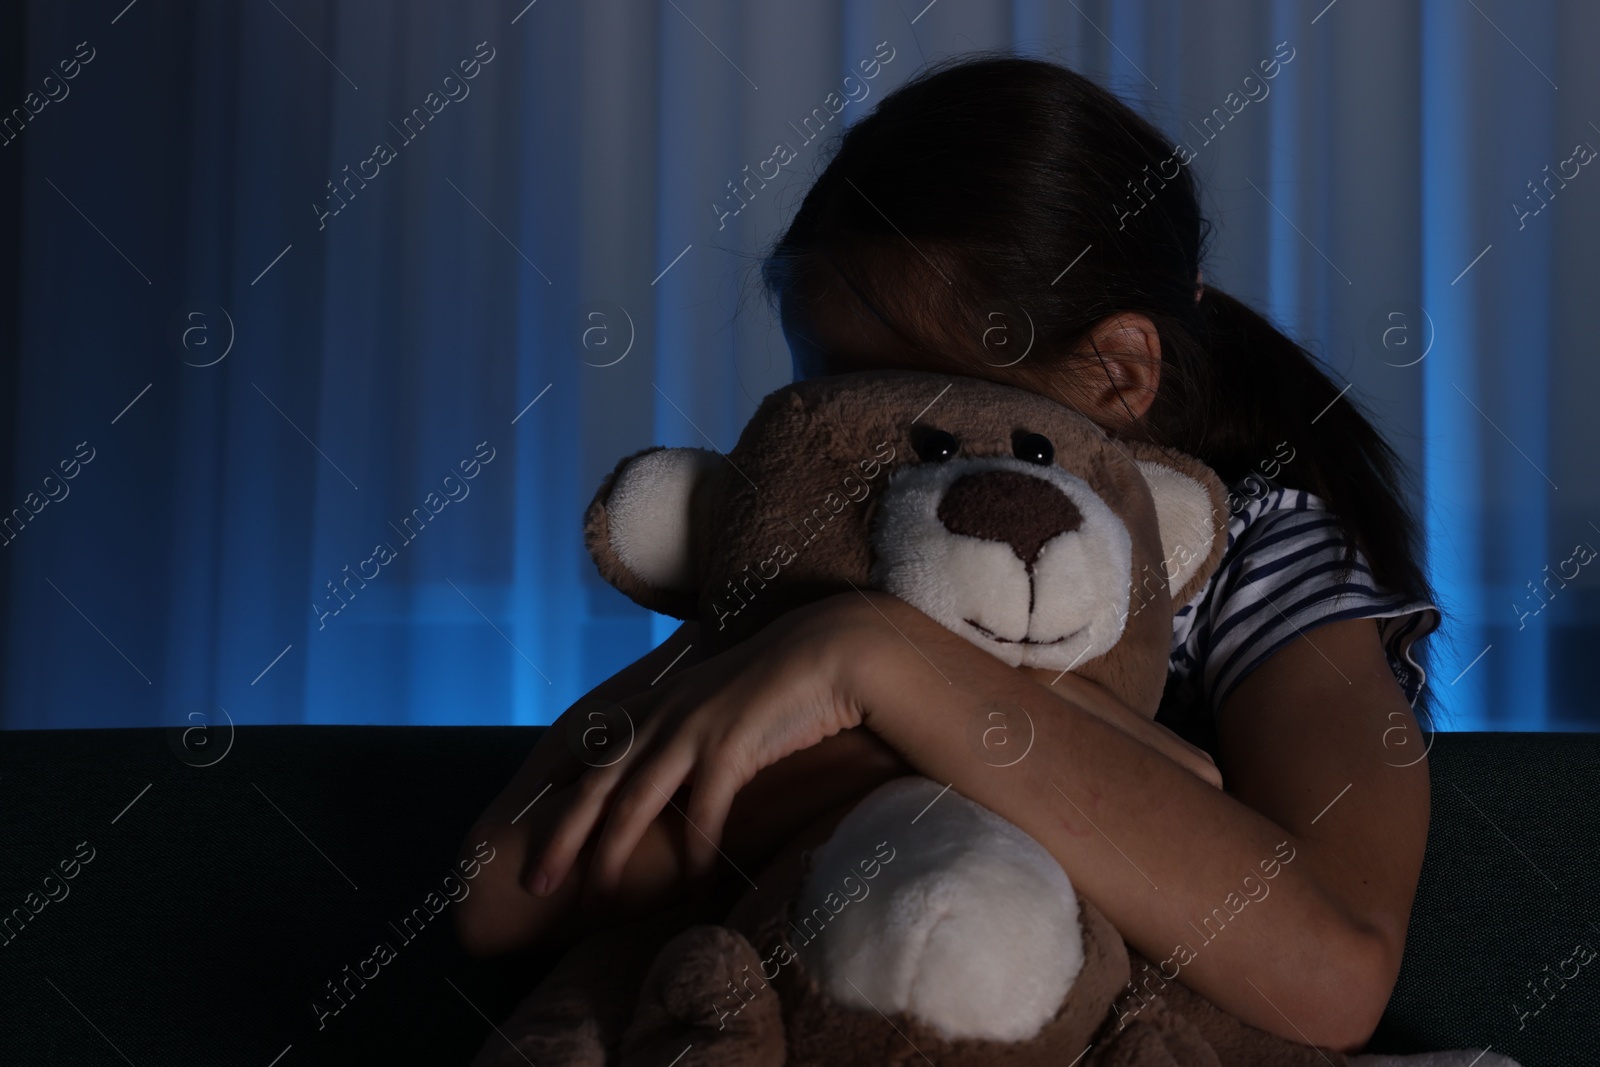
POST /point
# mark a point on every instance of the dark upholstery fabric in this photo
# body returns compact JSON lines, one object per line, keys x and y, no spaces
{"x":206,"y":924}
{"x":217,"y":907}
{"x":1510,"y":886}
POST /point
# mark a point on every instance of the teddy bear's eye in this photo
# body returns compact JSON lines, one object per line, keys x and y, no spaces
{"x":1033,"y":448}
{"x":936,"y":446}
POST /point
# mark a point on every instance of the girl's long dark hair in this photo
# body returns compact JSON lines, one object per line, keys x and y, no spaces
{"x":1015,"y":187}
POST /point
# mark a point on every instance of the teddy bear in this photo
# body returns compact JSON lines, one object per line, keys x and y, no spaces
{"x":923,"y":928}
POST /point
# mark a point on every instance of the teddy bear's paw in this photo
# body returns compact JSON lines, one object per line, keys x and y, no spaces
{"x":704,"y":1003}
{"x":545,"y":1031}
{"x":1454,"y":1058}
{"x":576,"y":1015}
{"x":927,"y":903}
{"x":1146,"y":1044}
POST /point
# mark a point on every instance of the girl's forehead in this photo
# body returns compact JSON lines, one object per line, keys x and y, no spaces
{"x":841,"y":328}
{"x":830,"y":331}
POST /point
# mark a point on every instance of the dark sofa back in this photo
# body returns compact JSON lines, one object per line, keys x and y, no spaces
{"x":217,"y":892}
{"x":1510,"y":889}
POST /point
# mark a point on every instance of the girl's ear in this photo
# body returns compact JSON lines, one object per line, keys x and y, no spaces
{"x":1121,"y":384}
{"x":644,"y":527}
{"x":1192,"y":510}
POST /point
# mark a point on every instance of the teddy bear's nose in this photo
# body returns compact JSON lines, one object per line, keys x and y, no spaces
{"x":1023,"y":511}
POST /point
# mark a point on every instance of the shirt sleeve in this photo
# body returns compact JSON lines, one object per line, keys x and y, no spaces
{"x":1285,"y":575}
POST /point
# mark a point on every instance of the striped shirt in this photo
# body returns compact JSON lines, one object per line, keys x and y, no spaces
{"x":1281,"y":575}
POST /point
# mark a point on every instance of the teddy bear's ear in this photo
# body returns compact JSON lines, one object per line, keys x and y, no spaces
{"x":1191,"y":508}
{"x":642,"y":527}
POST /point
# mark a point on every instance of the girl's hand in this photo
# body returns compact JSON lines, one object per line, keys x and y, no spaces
{"x":500,"y":915}
{"x":713,"y":726}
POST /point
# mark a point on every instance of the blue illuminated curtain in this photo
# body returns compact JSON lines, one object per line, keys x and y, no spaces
{"x":546,"y":271}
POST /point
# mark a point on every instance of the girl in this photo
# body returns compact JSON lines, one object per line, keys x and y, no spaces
{"x":1012,"y":193}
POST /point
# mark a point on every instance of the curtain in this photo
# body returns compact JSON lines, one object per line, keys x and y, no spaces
{"x":337,"y":313}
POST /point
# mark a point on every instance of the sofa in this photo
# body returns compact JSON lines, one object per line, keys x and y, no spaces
{"x":212,"y":895}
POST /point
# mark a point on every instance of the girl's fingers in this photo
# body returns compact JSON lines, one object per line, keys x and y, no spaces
{"x":537,"y":829}
{"x":709,"y":804}
{"x":636,"y":806}
{"x":567,"y":837}
{"x":547,"y":781}
{"x":560,"y":850}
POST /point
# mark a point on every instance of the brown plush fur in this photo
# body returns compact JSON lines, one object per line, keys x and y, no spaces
{"x":785,"y":520}
{"x":692,"y":1004}
{"x":1189,"y":1021}
{"x":577,"y":1015}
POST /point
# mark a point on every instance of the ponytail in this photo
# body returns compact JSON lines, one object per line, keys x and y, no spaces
{"x":1253,"y":396}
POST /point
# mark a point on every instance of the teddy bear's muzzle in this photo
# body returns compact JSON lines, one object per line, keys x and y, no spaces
{"x":1024,"y":560}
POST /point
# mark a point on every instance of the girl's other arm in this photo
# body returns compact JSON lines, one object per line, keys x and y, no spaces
{"x":1313,"y":797}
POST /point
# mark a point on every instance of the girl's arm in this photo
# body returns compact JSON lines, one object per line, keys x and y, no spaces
{"x":1306,"y":870}
{"x":504,"y":915}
